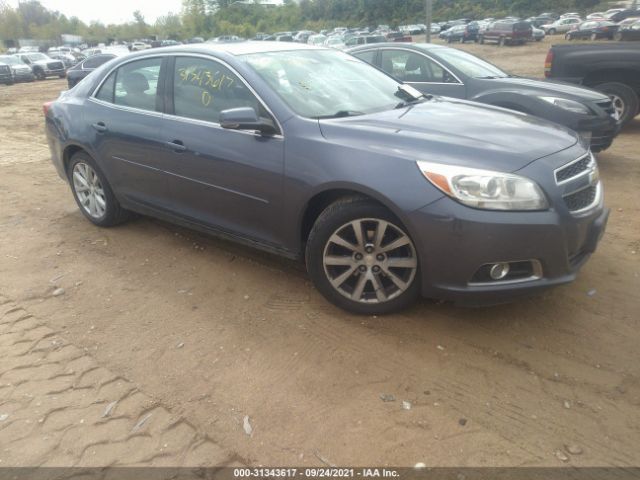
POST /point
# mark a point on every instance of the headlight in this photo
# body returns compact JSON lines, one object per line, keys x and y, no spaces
{"x":567,"y":104}
{"x":484,"y":188}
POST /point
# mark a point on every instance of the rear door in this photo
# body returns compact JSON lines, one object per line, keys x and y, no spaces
{"x":228,"y":179}
{"x":422,"y":72}
{"x":124,"y":120}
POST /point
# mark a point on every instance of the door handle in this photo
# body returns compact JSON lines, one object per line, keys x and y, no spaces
{"x":100,"y":127}
{"x":176,"y":146}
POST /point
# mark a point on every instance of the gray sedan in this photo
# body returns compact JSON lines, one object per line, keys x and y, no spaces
{"x":386,"y":193}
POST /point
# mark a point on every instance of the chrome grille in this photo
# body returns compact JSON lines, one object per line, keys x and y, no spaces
{"x":573,"y":169}
{"x":5,"y":69}
{"x":582,"y":198}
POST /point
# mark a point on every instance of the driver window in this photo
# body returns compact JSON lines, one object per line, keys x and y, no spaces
{"x":413,"y":67}
{"x":203,"y":88}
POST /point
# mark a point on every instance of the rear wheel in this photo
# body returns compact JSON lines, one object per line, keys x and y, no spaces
{"x":93,"y":193}
{"x":624,"y":98}
{"x":360,"y":257}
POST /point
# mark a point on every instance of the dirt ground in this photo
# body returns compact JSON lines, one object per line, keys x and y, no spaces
{"x":209,"y":332}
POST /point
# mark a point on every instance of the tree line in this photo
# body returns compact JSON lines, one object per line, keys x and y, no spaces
{"x":207,"y":18}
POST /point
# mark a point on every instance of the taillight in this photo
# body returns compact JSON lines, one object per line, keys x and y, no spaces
{"x":45,"y":107}
{"x":548,"y":63}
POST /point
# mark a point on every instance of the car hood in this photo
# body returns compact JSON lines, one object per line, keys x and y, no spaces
{"x":545,"y":87}
{"x":453,"y":131}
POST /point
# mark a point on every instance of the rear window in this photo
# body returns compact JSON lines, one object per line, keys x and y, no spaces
{"x":96,"y":61}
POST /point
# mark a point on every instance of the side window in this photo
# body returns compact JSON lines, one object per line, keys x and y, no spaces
{"x":96,"y":61}
{"x":136,"y":84}
{"x":203,"y":88}
{"x":368,"y":56}
{"x":106,"y":90}
{"x":413,"y":67}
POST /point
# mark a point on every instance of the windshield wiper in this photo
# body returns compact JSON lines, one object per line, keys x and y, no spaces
{"x":341,"y":114}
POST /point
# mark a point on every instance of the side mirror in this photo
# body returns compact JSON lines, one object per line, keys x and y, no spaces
{"x":245,"y":118}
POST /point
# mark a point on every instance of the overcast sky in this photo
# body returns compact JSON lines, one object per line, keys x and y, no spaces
{"x":111,"y":11}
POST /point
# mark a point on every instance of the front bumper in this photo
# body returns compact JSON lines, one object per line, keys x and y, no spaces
{"x":603,"y":131}
{"x":57,"y":72}
{"x":454,"y":241}
{"x":23,"y":75}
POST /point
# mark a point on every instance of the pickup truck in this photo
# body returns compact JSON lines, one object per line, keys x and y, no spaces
{"x":612,"y":68}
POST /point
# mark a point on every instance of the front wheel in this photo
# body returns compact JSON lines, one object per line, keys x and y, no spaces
{"x":40,"y":75}
{"x":361,"y":258}
{"x":93,"y":193}
{"x":552,"y":31}
{"x":624,"y":98}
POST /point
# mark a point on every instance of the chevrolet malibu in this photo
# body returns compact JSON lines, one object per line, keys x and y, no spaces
{"x":308,"y":152}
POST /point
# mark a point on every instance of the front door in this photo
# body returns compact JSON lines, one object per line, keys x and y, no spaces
{"x":228,"y":179}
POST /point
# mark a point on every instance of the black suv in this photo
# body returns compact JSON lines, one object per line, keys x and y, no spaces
{"x":507,"y":32}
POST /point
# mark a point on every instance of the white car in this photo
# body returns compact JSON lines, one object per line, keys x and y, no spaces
{"x":137,"y":46}
{"x":561,"y":25}
{"x":316,"y":39}
{"x":335,"y":41}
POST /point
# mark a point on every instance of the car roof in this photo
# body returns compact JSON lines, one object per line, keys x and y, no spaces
{"x":234,"y":48}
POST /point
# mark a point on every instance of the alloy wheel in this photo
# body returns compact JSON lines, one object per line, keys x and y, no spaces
{"x":618,"y":106}
{"x":370,"y":260}
{"x":89,"y":190}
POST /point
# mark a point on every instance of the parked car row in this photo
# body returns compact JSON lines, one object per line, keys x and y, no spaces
{"x":29,"y":66}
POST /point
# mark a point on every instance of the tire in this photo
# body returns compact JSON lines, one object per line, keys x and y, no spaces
{"x":552,"y":31}
{"x":40,"y":75}
{"x":62,"y":76}
{"x":617,"y":37}
{"x":624,"y":97}
{"x":594,"y":37}
{"x":568,"y":36}
{"x":383,"y":289}
{"x":106,"y":215}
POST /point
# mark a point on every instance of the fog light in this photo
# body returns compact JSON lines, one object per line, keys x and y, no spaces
{"x":499,"y":270}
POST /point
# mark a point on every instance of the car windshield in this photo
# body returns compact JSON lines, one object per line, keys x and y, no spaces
{"x":326,"y":83}
{"x":34,"y":57}
{"x":470,"y":65}
{"x":9,"y":60}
